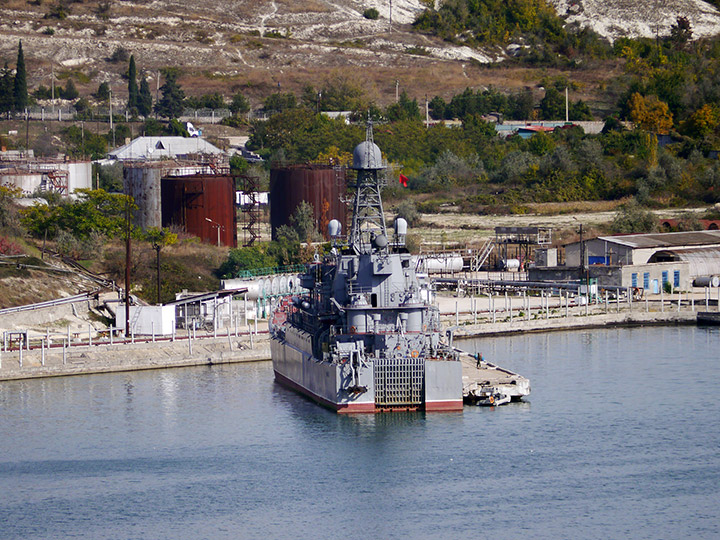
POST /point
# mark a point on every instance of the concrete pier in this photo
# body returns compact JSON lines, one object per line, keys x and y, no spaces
{"x":471,"y":320}
{"x":100,"y":358}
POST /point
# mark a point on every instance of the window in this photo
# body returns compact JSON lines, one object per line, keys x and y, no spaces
{"x":676,"y":278}
{"x":646,"y":280}
{"x":664,"y":277}
{"x":634,"y":279}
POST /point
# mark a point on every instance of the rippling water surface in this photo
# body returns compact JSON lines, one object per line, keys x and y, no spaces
{"x":619,"y":439}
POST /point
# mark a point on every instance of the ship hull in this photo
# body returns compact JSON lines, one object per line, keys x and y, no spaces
{"x":326,"y":383}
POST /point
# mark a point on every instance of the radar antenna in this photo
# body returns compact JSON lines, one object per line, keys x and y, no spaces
{"x":368,"y":220}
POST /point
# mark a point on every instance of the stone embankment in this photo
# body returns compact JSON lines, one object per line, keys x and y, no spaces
{"x":104,"y":357}
{"x":120,"y":356}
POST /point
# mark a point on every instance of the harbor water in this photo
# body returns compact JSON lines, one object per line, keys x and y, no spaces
{"x":620,"y":438}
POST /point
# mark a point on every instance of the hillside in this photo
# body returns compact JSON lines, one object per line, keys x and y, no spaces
{"x":261,"y":45}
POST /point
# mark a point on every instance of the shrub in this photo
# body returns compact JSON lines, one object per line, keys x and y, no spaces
{"x":8,"y":247}
{"x":371,"y":13}
{"x":407,"y":210}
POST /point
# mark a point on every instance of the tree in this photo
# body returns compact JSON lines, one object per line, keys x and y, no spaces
{"x":408,"y":211}
{"x":69,"y":92}
{"x":103,"y":92}
{"x":552,"y":106}
{"x":238,"y":165}
{"x":144,"y":102}
{"x":437,"y":108}
{"x":133,"y":96}
{"x":633,"y":218}
{"x":20,"y":92}
{"x":171,"y":102}
{"x":239,"y":104}
{"x":241,"y":259}
{"x":94,"y":212}
{"x":303,"y":222}
{"x":404,"y":109}
{"x":650,"y":113}
{"x":280,"y":102}
{"x":6,"y":90}
{"x":681,"y":33}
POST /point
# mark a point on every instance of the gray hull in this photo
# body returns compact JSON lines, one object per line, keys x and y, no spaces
{"x":397,"y":384}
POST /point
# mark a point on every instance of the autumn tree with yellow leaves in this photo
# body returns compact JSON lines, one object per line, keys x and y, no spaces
{"x":651,"y":114}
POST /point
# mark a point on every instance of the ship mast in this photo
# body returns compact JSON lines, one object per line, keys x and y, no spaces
{"x":368,"y":221}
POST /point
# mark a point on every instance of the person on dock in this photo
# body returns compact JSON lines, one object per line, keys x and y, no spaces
{"x":479,"y":358}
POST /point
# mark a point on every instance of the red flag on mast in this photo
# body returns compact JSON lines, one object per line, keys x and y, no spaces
{"x":403,"y":179}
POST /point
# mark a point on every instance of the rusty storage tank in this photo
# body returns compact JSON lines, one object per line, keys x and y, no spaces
{"x":142,"y":182}
{"x":201,"y":205}
{"x":321,"y":186}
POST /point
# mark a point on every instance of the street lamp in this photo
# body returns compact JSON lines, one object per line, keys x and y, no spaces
{"x":218,"y":226}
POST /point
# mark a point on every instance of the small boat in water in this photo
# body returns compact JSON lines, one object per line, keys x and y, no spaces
{"x":488,"y":397}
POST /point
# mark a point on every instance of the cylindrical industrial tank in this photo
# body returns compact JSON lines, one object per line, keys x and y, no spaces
{"x":706,"y":281}
{"x":144,"y":184}
{"x":435,"y":265}
{"x":283,"y":284}
{"x":275,"y":285}
{"x":202,"y":205}
{"x":323,"y":187}
{"x":511,"y":264}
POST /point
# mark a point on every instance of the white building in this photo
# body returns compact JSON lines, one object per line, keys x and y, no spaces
{"x":648,"y":261}
{"x":157,"y":148}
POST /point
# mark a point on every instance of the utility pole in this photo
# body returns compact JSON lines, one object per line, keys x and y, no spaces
{"x":390,"y":15}
{"x":567,"y":107}
{"x":127,"y":265}
{"x":427,"y":113}
{"x":157,"y":93}
{"x":52,"y":86}
{"x":111,"y":118}
{"x":397,"y":90}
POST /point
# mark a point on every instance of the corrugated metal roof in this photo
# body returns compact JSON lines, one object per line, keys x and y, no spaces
{"x":702,"y":262}
{"x":164,"y":147}
{"x":669,"y":240}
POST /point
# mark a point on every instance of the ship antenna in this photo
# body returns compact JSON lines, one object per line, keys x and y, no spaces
{"x":368,"y":231}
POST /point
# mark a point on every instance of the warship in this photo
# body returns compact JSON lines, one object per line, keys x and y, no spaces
{"x":366,"y":335}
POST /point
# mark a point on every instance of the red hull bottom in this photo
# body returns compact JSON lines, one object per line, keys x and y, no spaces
{"x":356,"y":408}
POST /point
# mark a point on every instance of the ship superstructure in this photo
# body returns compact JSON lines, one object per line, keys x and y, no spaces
{"x":366,"y":337}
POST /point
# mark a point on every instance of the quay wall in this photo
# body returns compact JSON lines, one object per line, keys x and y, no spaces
{"x":87,"y":359}
{"x":102,"y":358}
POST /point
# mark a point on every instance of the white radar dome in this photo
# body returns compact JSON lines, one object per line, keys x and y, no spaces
{"x":334,"y":228}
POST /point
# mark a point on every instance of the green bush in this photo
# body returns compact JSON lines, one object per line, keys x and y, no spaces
{"x":371,"y":13}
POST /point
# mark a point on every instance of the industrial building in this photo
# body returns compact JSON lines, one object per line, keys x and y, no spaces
{"x":644,"y":261}
{"x":163,"y":148}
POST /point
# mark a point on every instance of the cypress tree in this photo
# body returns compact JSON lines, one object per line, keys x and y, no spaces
{"x":6,"y":90}
{"x":20,"y":93}
{"x":132,"y":85}
{"x":144,"y":102}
